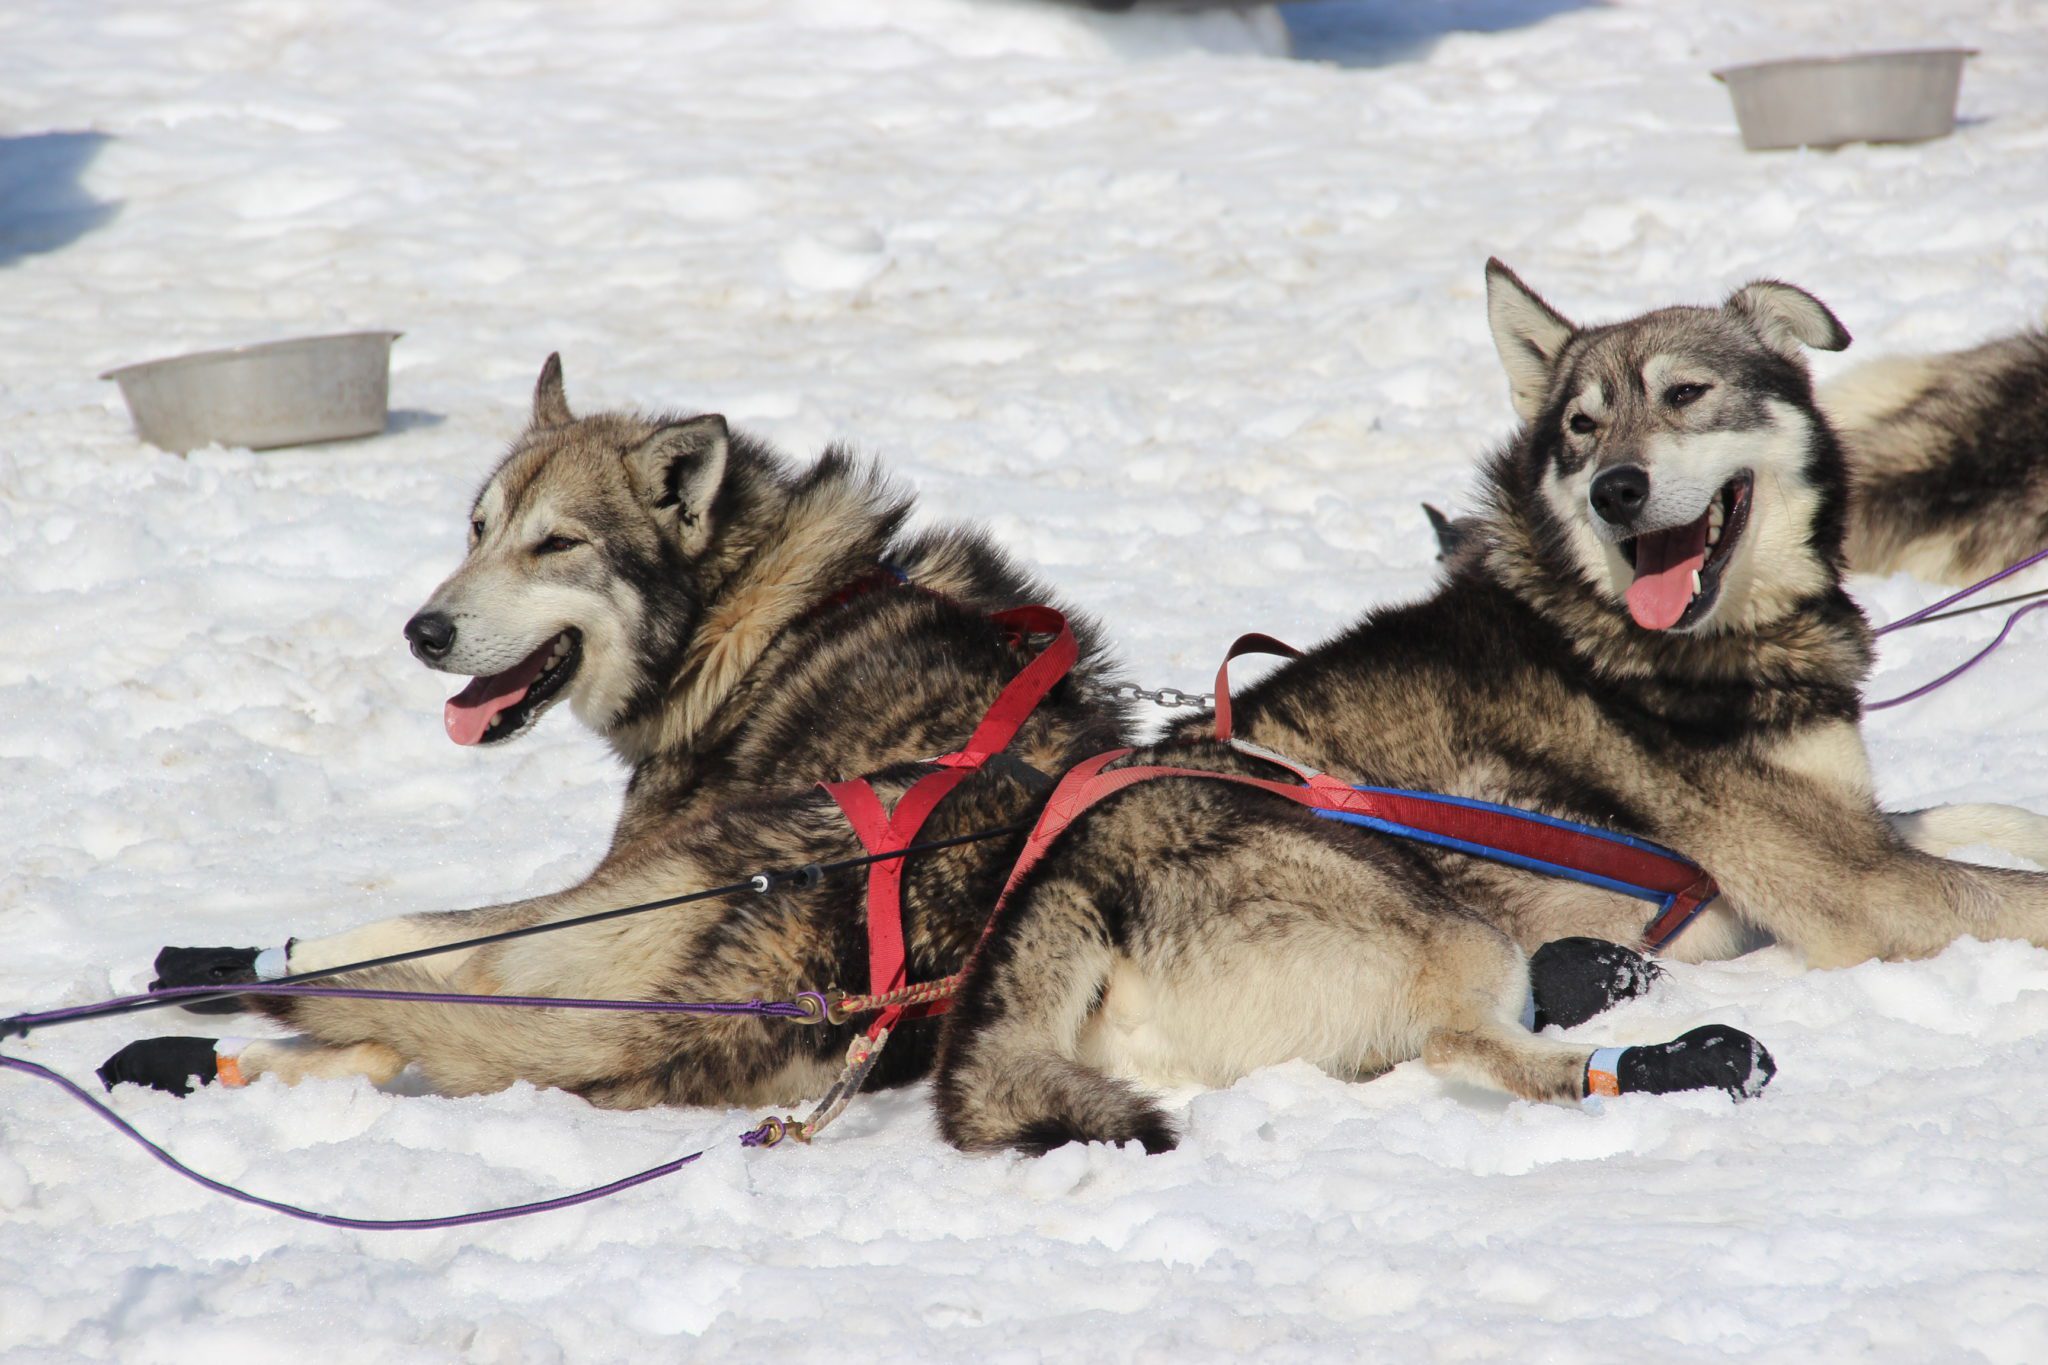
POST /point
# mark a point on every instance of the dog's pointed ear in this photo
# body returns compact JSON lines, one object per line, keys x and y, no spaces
{"x":1450,"y":535}
{"x":550,"y":403}
{"x":1528,"y":333}
{"x":677,"y":472}
{"x":1787,"y":317}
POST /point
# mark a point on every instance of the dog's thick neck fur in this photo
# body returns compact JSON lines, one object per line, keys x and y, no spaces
{"x":784,"y":544}
{"x":1785,"y":670}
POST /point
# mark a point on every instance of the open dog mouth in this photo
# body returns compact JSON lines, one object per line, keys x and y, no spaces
{"x":1678,"y":570}
{"x":495,"y":708}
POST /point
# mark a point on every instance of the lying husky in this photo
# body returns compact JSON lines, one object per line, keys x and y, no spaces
{"x":714,"y":614}
{"x":1651,"y":633}
{"x":737,"y":630}
{"x":1647,"y":631}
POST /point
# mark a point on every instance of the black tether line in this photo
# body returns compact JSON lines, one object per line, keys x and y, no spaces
{"x":761,"y":883}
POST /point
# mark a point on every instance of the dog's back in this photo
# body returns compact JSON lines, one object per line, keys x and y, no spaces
{"x":1949,"y":457}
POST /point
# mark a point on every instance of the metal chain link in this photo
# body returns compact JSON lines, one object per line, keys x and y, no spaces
{"x":1164,"y":696}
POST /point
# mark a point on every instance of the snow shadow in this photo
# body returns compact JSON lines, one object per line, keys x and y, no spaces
{"x":1377,"y":32}
{"x":42,"y":205}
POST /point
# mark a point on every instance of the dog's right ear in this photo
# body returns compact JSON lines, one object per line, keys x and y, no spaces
{"x":1529,"y":335}
{"x":550,"y":403}
{"x":677,"y":472}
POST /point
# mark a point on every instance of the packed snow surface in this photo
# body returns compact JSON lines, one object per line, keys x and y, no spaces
{"x":1194,"y":326}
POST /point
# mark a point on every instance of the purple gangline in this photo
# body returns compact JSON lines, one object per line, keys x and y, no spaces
{"x":1960,"y":668}
{"x":336,"y":1220}
{"x":775,"y":1009}
{"x":1954,"y":597}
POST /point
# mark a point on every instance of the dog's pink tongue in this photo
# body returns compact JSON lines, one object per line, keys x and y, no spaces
{"x":468,"y":713}
{"x":1665,"y":564}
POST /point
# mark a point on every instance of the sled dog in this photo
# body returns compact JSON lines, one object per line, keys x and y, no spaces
{"x":738,"y":630}
{"x":1948,"y":455}
{"x":1648,"y":631}
{"x":1644,"y":629}
{"x":688,"y":595}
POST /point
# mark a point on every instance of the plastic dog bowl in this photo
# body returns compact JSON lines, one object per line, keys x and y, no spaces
{"x":1862,"y":97}
{"x":281,"y":393}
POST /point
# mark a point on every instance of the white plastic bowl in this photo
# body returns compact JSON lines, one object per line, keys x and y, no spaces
{"x":280,"y":393}
{"x":1905,"y":96}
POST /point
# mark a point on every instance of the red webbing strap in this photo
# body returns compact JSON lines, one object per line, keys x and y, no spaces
{"x":1254,"y":643}
{"x":1684,"y":905}
{"x":1076,"y":792}
{"x":881,"y":831}
{"x":1536,"y":840}
{"x":1021,"y":697}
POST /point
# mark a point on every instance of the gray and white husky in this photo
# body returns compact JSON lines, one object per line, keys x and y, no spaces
{"x":1649,"y":630}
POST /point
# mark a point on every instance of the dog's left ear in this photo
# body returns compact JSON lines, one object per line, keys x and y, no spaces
{"x":1528,"y":333}
{"x":1787,"y":317}
{"x":677,"y":472}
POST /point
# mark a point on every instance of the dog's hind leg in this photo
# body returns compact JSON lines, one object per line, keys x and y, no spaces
{"x":1009,"y":1072}
{"x":1941,"y":830}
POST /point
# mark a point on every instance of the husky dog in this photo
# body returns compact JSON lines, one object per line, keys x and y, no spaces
{"x":1645,"y":630}
{"x":727,"y":624}
{"x":1655,"y":638}
{"x":1949,"y":458}
{"x":686,"y":593}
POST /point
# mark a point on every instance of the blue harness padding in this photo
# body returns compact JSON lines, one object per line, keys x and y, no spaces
{"x":1547,"y":845}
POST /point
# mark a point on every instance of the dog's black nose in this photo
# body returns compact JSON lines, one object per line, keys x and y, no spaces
{"x":1619,"y":494}
{"x":432,"y":635}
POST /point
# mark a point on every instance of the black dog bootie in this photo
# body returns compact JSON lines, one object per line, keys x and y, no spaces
{"x":1573,"y":979}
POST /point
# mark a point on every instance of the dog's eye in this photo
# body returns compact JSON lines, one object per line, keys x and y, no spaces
{"x":1683,"y":395}
{"x":554,"y":545}
{"x":1583,"y":424}
{"x":476,"y":528}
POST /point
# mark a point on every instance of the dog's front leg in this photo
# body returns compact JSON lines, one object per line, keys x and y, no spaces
{"x":1832,"y":878}
{"x":384,"y":938}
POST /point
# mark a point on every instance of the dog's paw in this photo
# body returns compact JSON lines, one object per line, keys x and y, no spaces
{"x":1711,"y":1057}
{"x":1573,"y":979}
{"x":207,"y":967}
{"x":167,"y":1064}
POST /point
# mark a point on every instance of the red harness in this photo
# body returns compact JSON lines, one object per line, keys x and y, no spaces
{"x":882,"y":831}
{"x":1504,"y":834}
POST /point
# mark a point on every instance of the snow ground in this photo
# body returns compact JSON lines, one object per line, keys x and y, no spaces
{"x":1194,"y":327}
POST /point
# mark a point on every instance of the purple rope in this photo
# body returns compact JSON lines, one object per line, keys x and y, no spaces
{"x":1967,"y":664}
{"x":1916,"y":617}
{"x":774,"y":1009}
{"x":335,"y":1220}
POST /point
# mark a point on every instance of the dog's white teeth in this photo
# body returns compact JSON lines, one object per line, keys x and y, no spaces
{"x":1714,"y":533}
{"x":1715,"y":516}
{"x":494,"y":722}
{"x":1695,"y":582}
